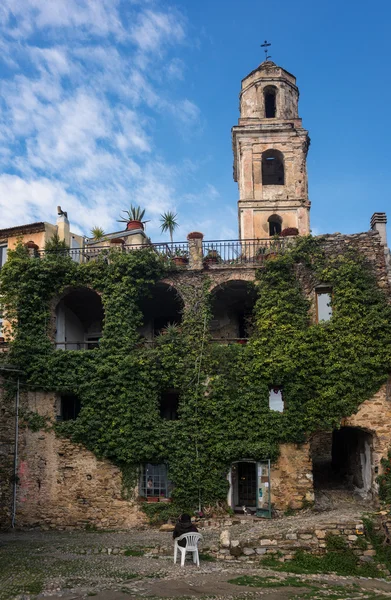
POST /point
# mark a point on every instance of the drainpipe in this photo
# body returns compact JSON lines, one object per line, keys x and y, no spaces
{"x":15,"y":454}
{"x":11,"y":368}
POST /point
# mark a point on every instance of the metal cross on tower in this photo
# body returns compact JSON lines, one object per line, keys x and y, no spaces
{"x":265,"y":45}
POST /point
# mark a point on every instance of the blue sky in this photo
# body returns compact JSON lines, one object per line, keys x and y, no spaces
{"x":104,"y":103}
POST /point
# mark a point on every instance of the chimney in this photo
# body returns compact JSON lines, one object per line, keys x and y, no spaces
{"x":63,"y":225}
{"x":378,"y":223}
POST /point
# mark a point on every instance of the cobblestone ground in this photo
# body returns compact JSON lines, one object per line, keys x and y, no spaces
{"x":79,"y":564}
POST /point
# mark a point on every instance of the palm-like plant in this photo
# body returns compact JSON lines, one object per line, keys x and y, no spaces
{"x":97,"y":233}
{"x":135,"y":213}
{"x":168,"y":223}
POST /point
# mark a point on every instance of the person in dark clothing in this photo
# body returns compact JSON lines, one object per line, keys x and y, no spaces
{"x":184,"y":525}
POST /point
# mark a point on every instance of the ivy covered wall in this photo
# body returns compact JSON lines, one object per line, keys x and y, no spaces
{"x":326,"y":370}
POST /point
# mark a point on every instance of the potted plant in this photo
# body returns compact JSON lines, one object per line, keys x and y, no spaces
{"x":133,"y":218}
{"x":275,"y":246}
{"x":168,"y":223}
{"x":261,"y":254}
{"x":97,"y":234}
{"x":180,"y":257}
{"x":289,"y":231}
{"x":212,"y":257}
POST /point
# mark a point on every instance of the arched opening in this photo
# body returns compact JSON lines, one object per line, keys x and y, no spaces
{"x":275,"y":225}
{"x":269,"y":94}
{"x":232,"y":306}
{"x":342,"y":460}
{"x":79,"y":320}
{"x":273,"y":168}
{"x":162,"y":308}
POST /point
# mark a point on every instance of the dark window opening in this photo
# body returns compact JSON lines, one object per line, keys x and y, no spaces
{"x":272,"y":168}
{"x":342,"y":459}
{"x":161,"y":309}
{"x":154,"y":482}
{"x":232,"y":305}
{"x":275,"y":225}
{"x":270,"y":103}
{"x":70,"y":408}
{"x":169,"y":403}
{"x":79,"y":320}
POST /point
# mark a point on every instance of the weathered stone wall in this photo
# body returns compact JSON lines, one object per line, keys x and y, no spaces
{"x":311,"y":538}
{"x":61,"y":484}
{"x":291,"y":477}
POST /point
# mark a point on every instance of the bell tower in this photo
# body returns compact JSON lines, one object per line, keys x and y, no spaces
{"x":270,"y":151}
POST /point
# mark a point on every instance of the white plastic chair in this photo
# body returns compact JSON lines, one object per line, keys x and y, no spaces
{"x":192,"y":540}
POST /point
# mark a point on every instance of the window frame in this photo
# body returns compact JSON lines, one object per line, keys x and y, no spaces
{"x":280,"y":389}
{"x":319,"y":290}
{"x":161,"y":486}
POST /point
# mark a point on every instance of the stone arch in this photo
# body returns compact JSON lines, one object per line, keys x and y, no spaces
{"x":273,"y":168}
{"x":270,"y":101}
{"x":342,"y":459}
{"x":79,"y":316}
{"x":163,"y":307}
{"x":232,"y":304}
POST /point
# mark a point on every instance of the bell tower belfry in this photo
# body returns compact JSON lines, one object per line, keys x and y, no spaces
{"x":270,"y":151}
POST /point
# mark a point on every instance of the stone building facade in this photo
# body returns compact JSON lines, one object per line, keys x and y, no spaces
{"x":54,"y":483}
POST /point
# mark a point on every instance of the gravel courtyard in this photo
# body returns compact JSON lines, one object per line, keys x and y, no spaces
{"x":139,"y":564}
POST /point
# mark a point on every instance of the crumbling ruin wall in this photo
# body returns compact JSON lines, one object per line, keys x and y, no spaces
{"x":61,"y":484}
{"x":291,"y":477}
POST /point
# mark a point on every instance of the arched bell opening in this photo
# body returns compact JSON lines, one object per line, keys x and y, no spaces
{"x":273,"y":168}
{"x":275,"y":225}
{"x":270,"y":101}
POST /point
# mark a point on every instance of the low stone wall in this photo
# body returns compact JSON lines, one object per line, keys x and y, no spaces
{"x":284,"y":545}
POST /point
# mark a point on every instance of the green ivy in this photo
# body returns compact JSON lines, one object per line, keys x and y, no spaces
{"x":326,"y":370}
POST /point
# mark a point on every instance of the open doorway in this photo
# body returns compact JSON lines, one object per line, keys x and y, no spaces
{"x":244,"y":486}
{"x":342,"y":460}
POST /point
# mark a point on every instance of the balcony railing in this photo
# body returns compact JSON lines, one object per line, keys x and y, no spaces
{"x":239,"y":252}
{"x":215,"y":252}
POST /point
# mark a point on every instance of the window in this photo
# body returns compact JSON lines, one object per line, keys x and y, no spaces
{"x":276,"y":401}
{"x":323,"y":304}
{"x":70,"y":408}
{"x":272,"y":168}
{"x":275,"y":225}
{"x":3,"y":255}
{"x":270,"y":102}
{"x":169,"y":402}
{"x":154,"y":482}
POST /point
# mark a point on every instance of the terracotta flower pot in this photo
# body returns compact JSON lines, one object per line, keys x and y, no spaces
{"x":195,"y":235}
{"x":134,"y":225}
{"x":180,"y":260}
{"x":31,"y":245}
{"x":151,"y":499}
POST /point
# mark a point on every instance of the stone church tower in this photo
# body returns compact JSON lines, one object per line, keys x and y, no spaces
{"x":270,"y":150}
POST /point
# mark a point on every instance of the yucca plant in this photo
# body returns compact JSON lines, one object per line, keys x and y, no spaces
{"x":135,"y":213}
{"x":168,"y":223}
{"x":97,"y":233}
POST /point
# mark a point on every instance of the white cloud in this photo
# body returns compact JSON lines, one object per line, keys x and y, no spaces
{"x":78,"y":116}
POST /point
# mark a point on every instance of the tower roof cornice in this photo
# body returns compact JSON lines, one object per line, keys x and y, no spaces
{"x":269,"y":70}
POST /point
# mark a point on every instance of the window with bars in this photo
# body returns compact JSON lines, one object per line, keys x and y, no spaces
{"x":154,"y":481}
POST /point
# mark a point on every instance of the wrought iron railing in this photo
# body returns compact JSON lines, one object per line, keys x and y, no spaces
{"x":239,"y":252}
{"x":214,"y":252}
